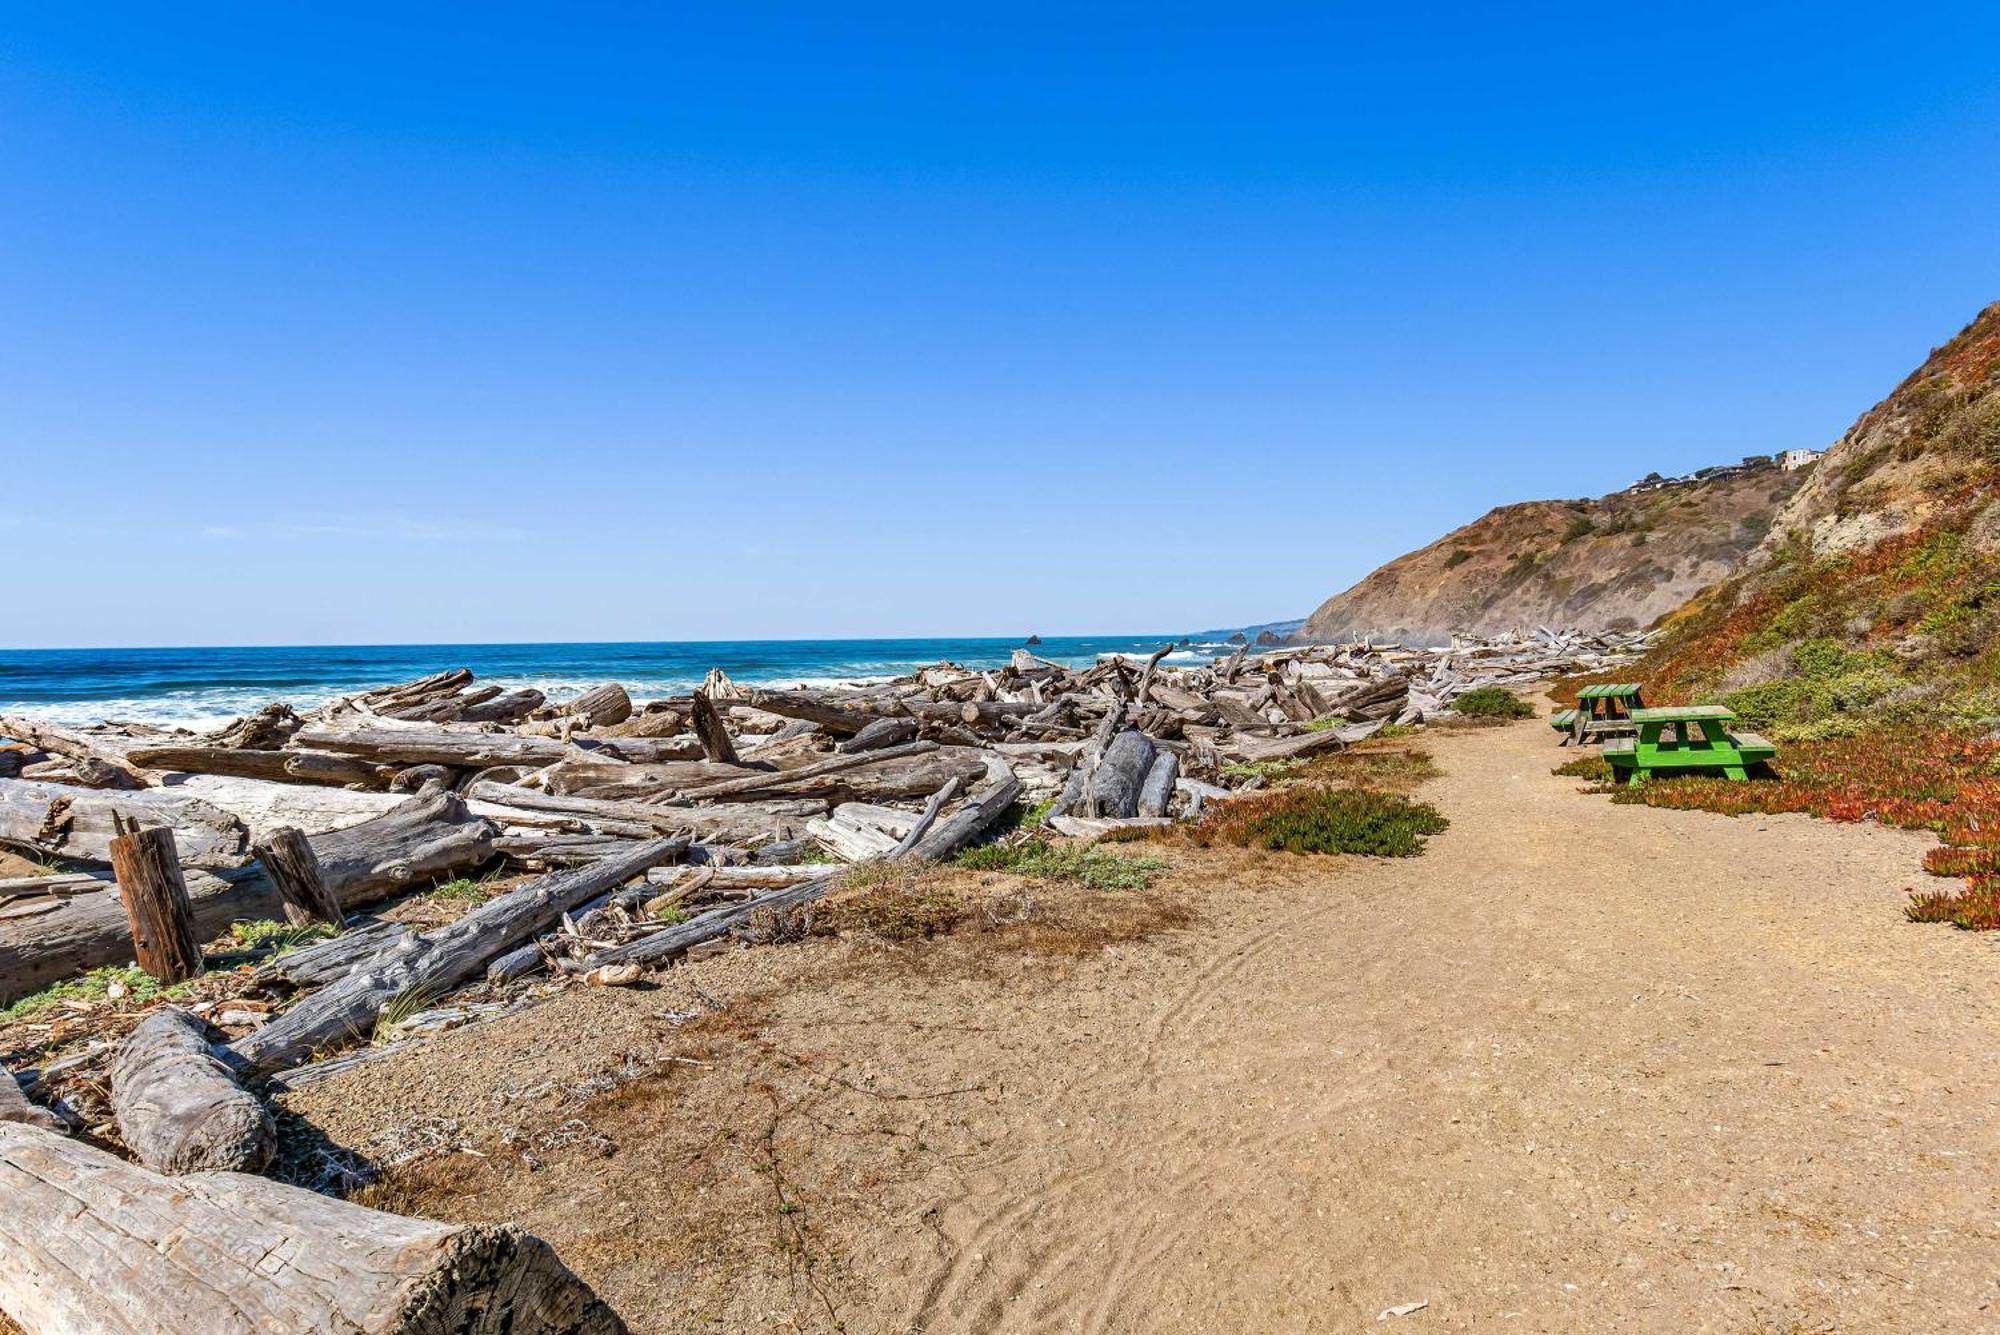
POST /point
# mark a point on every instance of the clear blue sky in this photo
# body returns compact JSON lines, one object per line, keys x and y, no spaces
{"x":407,"y":323}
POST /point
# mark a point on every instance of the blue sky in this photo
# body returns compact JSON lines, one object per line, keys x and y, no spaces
{"x":364,"y":324}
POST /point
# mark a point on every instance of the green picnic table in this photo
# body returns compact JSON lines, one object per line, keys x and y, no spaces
{"x":1701,"y":740}
{"x":1604,"y":710}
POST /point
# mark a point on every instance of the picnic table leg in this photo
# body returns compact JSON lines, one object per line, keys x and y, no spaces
{"x":1736,"y":772}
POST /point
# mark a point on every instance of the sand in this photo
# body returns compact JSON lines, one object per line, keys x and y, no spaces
{"x":1580,"y":1067}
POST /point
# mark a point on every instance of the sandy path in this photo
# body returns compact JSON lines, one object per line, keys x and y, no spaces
{"x":1578,"y":1068}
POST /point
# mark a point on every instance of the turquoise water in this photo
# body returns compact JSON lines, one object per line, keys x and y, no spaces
{"x":198,"y":687}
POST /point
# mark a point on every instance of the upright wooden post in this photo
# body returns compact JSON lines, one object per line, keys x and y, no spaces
{"x":708,"y":728}
{"x":293,"y":867}
{"x":156,"y":901}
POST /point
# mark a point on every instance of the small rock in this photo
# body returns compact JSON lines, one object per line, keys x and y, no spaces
{"x":708,"y":949}
{"x":1402,"y":1309}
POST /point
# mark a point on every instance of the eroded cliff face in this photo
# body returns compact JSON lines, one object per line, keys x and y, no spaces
{"x":1619,"y":562}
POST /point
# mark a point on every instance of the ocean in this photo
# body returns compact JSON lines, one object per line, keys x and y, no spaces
{"x":204,"y":688}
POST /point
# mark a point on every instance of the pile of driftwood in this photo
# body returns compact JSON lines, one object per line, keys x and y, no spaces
{"x":732,"y":797}
{"x":645,"y":830}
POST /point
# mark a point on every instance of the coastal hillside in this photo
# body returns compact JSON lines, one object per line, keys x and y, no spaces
{"x":1616,"y":563}
{"x":1876,"y":595}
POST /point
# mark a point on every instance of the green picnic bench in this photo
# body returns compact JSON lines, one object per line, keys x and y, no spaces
{"x":1604,"y":710}
{"x":1701,"y":741}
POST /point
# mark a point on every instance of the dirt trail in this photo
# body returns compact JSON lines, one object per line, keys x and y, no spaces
{"x":1578,"y":1068}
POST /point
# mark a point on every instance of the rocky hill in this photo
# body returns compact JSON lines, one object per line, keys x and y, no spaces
{"x":1877,"y":591}
{"x":1619,"y":562}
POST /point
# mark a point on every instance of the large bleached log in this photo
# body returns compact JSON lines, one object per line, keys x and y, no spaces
{"x":75,"y":822}
{"x":837,"y":719}
{"x":649,"y":750}
{"x":511,"y":707}
{"x":588,"y":776}
{"x":1157,"y":792}
{"x":90,"y":1243}
{"x":263,"y":805}
{"x":587,"y":810}
{"x":335,"y":771}
{"x":1113,"y":787}
{"x":424,"y":838}
{"x":436,"y":961}
{"x":269,"y":729}
{"x":156,"y":903}
{"x":178,"y":1108}
{"x":601,"y":706}
{"x":100,"y":764}
{"x":433,"y":746}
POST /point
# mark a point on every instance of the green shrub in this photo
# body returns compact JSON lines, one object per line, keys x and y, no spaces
{"x":1459,"y":556}
{"x":1087,"y":865}
{"x":1324,"y":820}
{"x":1579,"y":527}
{"x":1492,"y":702}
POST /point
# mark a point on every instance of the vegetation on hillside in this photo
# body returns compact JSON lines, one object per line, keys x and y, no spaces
{"x":1866,"y":637}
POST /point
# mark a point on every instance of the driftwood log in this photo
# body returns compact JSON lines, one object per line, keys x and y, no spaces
{"x":320,"y":767}
{"x":288,"y":859}
{"x":434,"y":746}
{"x":67,"y":821}
{"x":601,"y":706}
{"x":708,"y":726}
{"x":423,"y":839}
{"x":1113,"y":786}
{"x":157,"y":909}
{"x":433,"y":962}
{"x":91,"y":1243}
{"x":178,"y":1108}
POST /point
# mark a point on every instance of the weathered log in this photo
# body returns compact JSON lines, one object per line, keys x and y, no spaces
{"x":263,"y":805}
{"x":1113,"y":787}
{"x":436,"y":961}
{"x":15,"y":1106}
{"x":601,"y":706}
{"x":838,"y":719}
{"x":178,"y":1108}
{"x":734,"y":820}
{"x":650,"y":750}
{"x":788,"y":780}
{"x":738,"y":878}
{"x":708,"y":727}
{"x":673,"y":942}
{"x":293,"y":868}
{"x":156,"y":903}
{"x":335,"y":771}
{"x":1090,"y":827}
{"x":849,"y":838}
{"x":321,"y":962}
{"x":878,"y":734}
{"x":925,"y":819}
{"x":419,"y":777}
{"x":78,"y":822}
{"x":433,"y":746}
{"x":609,"y":780}
{"x":1251,"y":750}
{"x":972,"y":819}
{"x":269,"y":729}
{"x":1156,"y":794}
{"x":102,"y":765}
{"x":423,"y":838}
{"x":511,"y":707}
{"x":90,"y":1243}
